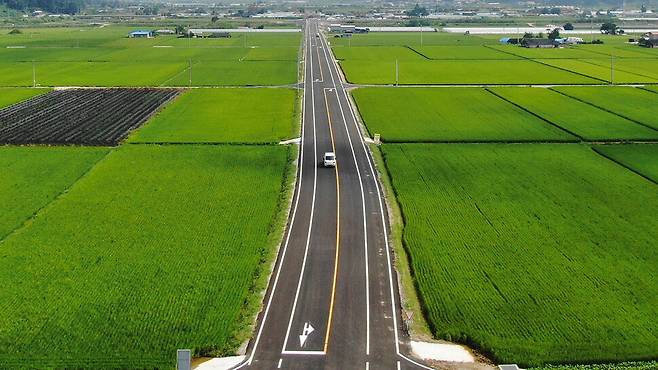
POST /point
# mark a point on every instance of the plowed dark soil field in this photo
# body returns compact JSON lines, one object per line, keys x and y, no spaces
{"x":80,"y":116}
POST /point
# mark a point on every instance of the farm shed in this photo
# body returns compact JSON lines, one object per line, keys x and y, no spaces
{"x":140,"y":34}
{"x":539,"y":43}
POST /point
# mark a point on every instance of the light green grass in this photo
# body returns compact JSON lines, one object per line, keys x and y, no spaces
{"x":33,"y":176}
{"x":582,"y":119}
{"x":377,"y":53}
{"x":640,"y":158}
{"x":278,"y":53}
{"x":16,"y":74}
{"x":105,"y":74}
{"x":150,"y":252}
{"x":554,"y":53}
{"x":86,"y":56}
{"x":238,"y":74}
{"x":224,"y":116}
{"x":410,"y":39}
{"x":647,"y":68}
{"x":462,"y":52}
{"x":598,"y":69}
{"x":620,"y":51}
{"x":9,"y":96}
{"x":449,"y":114}
{"x":532,"y":253}
{"x":633,"y":103}
{"x":459,"y":72}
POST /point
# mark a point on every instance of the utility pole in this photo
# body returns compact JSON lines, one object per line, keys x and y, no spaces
{"x":34,"y":74}
{"x":245,"y":39}
{"x":190,"y":68}
{"x":612,"y":68}
{"x":397,"y":73}
{"x":421,"y":35}
{"x":591,"y":26}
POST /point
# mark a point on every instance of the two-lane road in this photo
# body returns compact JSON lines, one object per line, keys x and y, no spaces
{"x":332,"y":302}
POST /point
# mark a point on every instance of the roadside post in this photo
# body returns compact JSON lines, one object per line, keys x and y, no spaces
{"x":183,"y":359}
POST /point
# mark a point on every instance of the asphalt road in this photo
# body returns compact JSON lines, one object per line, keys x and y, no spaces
{"x":332,"y":302}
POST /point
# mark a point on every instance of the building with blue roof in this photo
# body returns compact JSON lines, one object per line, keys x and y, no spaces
{"x":141,"y":34}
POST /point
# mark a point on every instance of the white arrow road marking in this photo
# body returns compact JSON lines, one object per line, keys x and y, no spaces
{"x":308,"y":329}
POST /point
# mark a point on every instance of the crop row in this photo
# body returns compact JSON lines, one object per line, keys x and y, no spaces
{"x":80,"y":116}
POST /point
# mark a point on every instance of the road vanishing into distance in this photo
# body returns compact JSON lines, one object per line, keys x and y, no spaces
{"x":332,"y":302}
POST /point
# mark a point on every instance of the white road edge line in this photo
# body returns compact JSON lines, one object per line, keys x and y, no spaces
{"x":279,"y":365}
{"x":363,"y":197}
{"x":311,"y":353}
{"x":383,"y":219}
{"x":292,"y":222}
{"x":310,"y":225}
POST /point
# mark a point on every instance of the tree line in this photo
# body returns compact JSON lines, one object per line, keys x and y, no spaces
{"x":50,"y":6}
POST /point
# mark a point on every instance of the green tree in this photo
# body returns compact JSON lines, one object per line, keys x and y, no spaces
{"x":609,"y":28}
{"x":568,"y":27}
{"x":417,"y":11}
{"x":555,"y":34}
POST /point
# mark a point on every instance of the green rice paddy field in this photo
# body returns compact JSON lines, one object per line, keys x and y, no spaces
{"x":479,"y":213}
{"x":106,"y":57}
{"x":642,"y":159}
{"x":461,"y":59}
{"x":582,"y":119}
{"x":107,"y":276}
{"x":34,"y":177}
{"x":533,"y":253}
{"x":224,"y":116}
{"x":511,"y":114}
{"x":449,"y":115}
{"x":635,"y":104}
{"x":9,"y":96}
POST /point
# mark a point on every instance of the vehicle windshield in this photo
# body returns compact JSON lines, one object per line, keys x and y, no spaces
{"x":329,"y":157}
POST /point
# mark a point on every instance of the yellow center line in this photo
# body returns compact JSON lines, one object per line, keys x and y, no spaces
{"x":333,"y":288}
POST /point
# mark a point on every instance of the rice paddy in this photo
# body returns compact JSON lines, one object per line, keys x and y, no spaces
{"x":512,"y":250}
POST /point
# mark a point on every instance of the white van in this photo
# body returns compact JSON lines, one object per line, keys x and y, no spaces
{"x":329,"y":159}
